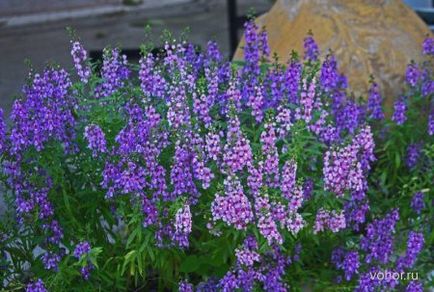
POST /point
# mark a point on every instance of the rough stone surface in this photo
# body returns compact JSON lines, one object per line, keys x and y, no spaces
{"x":377,"y":37}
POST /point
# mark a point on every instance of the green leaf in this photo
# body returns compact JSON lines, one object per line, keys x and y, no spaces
{"x":190,"y":264}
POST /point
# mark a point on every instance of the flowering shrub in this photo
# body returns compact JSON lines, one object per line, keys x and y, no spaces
{"x":188,"y":172}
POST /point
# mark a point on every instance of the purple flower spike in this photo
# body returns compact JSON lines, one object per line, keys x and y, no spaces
{"x":183,"y":226}
{"x":184,"y":286}
{"x":414,"y":286}
{"x":311,"y":50}
{"x":428,"y":46}
{"x":37,"y":286}
{"x":96,"y":139}
{"x":431,"y":123}
{"x":412,"y":74}
{"x":374,"y":103}
{"x":400,"y":113}
{"x":413,"y":155}
{"x":81,"y":249}
{"x":417,"y":202}
{"x":79,"y":57}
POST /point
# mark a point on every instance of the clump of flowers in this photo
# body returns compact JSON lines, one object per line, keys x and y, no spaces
{"x":79,"y":57}
{"x":333,"y":220}
{"x":37,"y":286}
{"x":81,"y":251}
{"x":413,"y":155}
{"x":399,"y":115}
{"x":96,"y":139}
{"x":375,"y":102}
{"x":417,"y":202}
{"x":189,"y":172}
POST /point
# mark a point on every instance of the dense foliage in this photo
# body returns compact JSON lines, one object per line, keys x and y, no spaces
{"x":189,"y":172}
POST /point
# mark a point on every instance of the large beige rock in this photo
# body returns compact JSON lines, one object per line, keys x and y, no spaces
{"x":377,"y":37}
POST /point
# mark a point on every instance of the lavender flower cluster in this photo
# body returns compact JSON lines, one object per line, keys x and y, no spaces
{"x":200,"y":140}
{"x":82,"y":250}
{"x":379,"y":251}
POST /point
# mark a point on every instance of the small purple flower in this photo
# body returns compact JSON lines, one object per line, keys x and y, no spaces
{"x":183,"y":224}
{"x":114,"y":73}
{"x":414,"y":286}
{"x":337,"y":257}
{"x":213,"y":52}
{"x":427,"y":87}
{"x":399,"y":115}
{"x":181,"y":173}
{"x":234,"y":208}
{"x":292,"y":79}
{"x":202,"y":172}
{"x":46,"y":112}
{"x":356,"y":210}
{"x":378,"y":240}
{"x":333,"y":220}
{"x":79,"y":56}
{"x":308,"y":188}
{"x":255,"y":180}
{"x":37,"y":286}
{"x":428,"y":46}
{"x":367,"y":283}
{"x":184,"y":286}
{"x":288,"y":179}
{"x":283,"y":121}
{"x":85,"y":271}
{"x":374,"y":103}
{"x":307,"y":99}
{"x":412,"y":74}
{"x":431,"y":123}
{"x":55,"y":231}
{"x":329,"y":78}
{"x":351,"y":264}
{"x":251,"y":49}
{"x":413,"y":155}
{"x":415,"y":244}
{"x":263,"y":43}
{"x":297,"y":251}
{"x":150,"y":211}
{"x":96,"y":139}
{"x":246,"y":257}
{"x":294,"y":222}
{"x":349,"y":117}
{"x":268,"y":228}
{"x":213,"y":146}
{"x":51,"y":260}
{"x":417,"y":202}
{"x":237,"y":152}
{"x":256,"y":103}
{"x":271,"y":156}
{"x":151,"y":79}
{"x":229,"y":282}
{"x":311,"y":50}
{"x":2,"y":132}
{"x":343,"y":169}
{"x":81,"y":249}
{"x":211,"y":285}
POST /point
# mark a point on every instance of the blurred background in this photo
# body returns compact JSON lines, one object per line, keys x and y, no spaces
{"x":34,"y":30}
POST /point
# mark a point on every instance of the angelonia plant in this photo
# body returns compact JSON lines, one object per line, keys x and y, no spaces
{"x":187,"y":172}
